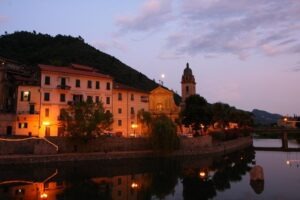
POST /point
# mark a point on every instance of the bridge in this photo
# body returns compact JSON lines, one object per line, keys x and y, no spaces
{"x":284,"y":147}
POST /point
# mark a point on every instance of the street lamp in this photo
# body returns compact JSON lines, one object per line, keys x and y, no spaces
{"x":134,"y":126}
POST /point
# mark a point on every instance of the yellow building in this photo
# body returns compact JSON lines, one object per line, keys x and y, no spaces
{"x":161,"y":101}
{"x":127,"y":102}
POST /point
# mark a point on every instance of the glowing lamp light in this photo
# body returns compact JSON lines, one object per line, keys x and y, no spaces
{"x":46,"y":123}
{"x":134,"y":126}
{"x":134,"y":185}
{"x":202,"y":174}
{"x":162,"y":76}
{"x":44,"y":196}
{"x":288,"y":162}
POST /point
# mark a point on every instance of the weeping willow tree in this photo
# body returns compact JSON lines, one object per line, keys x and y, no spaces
{"x":163,"y":134}
{"x":145,"y":119}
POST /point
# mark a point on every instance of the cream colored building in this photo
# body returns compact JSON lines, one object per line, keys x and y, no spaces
{"x":61,"y":86}
{"x":127,"y":102}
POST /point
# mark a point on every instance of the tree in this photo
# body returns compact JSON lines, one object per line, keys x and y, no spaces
{"x":196,"y":112}
{"x":85,"y":120}
{"x":220,"y":114}
{"x":163,"y":134}
{"x":145,"y":119}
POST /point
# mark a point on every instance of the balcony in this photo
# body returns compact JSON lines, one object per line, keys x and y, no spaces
{"x":28,"y":112}
{"x":63,"y":87}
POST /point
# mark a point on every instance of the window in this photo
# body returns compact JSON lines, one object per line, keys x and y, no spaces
{"x":77,"y":98}
{"x":97,"y":99}
{"x":187,"y":89}
{"x":132,"y":110}
{"x":120,"y":110}
{"x":63,"y":81}
{"x":144,"y":99}
{"x":89,"y":98}
{"x":23,"y":125}
{"x":119,"y":181}
{"x":47,"y":80}
{"x":119,"y":122}
{"x":120,"y":96}
{"x":89,"y":84}
{"x":108,"y":86}
{"x":107,"y":100}
{"x":46,"y":96}
{"x":25,"y":95}
{"x":31,"y":109}
{"x":77,"y":83}
{"x":47,"y":112}
{"x":132,"y":97}
{"x":97,"y":85}
{"x":62,"y":97}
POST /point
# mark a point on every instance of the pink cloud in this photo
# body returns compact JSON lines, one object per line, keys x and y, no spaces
{"x":153,"y":14}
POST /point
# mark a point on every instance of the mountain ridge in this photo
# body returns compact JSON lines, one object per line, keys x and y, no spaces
{"x":37,"y":48}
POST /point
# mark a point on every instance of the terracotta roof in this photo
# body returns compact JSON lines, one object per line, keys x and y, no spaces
{"x":78,"y":70}
{"x":121,"y":86}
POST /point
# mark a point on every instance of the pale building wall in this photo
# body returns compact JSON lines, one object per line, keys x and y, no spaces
{"x":127,"y":118}
{"x":55,"y":105}
{"x":28,"y":110}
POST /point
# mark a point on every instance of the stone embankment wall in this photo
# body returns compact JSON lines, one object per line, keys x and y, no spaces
{"x":194,"y":147}
{"x":30,"y":146}
{"x":105,"y":144}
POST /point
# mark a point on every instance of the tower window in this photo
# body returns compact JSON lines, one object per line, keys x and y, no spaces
{"x":187,"y":89}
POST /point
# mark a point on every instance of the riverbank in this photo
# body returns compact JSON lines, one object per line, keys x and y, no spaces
{"x":221,"y":148}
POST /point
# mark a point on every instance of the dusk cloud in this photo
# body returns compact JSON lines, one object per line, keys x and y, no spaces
{"x":153,"y":14}
{"x":241,"y":27}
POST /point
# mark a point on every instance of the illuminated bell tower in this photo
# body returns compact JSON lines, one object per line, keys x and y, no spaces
{"x":188,"y":84}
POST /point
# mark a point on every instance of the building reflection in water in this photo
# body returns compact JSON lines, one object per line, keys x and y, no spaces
{"x":201,"y":179}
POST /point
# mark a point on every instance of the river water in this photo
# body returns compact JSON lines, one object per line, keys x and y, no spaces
{"x":225,"y":177}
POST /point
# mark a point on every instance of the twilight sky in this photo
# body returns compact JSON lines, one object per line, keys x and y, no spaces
{"x":242,"y":52}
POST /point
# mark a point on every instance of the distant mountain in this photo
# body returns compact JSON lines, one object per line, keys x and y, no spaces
{"x":265,"y":118}
{"x":36,"y":48}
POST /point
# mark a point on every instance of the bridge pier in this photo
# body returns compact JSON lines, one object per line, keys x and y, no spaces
{"x":284,"y":139}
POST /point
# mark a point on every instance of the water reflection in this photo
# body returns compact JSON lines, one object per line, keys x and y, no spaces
{"x":130,"y":179}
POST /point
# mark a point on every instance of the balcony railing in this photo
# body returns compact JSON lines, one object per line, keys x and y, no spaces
{"x":28,"y":113}
{"x":63,"y":87}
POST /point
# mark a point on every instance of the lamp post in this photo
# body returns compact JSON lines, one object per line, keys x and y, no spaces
{"x":134,"y":126}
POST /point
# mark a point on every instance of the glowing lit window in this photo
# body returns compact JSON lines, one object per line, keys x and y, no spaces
{"x":25,"y":95}
{"x":23,"y":125}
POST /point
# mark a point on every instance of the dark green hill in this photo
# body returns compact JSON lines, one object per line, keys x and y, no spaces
{"x":265,"y":118}
{"x":32,"y":49}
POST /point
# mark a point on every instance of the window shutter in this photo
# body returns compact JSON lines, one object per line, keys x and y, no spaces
{"x":22,"y":94}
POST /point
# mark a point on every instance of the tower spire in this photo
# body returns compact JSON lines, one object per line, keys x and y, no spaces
{"x":188,"y":84}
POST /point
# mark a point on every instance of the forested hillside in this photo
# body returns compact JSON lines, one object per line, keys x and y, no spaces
{"x":36,"y":48}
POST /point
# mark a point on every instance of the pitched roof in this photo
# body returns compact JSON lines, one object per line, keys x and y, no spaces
{"x":121,"y":86}
{"x":74,"y":69}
